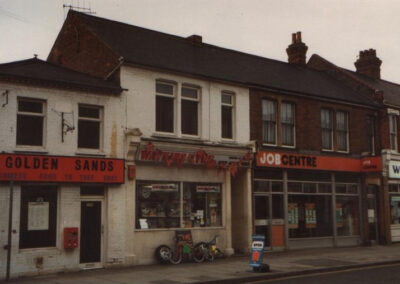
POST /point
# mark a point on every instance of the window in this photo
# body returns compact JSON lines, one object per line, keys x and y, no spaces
{"x":89,"y":126}
{"x":38,"y":216}
{"x":287,"y":124}
{"x":269,"y":121}
{"x":189,"y":110}
{"x":165,"y":96}
{"x":370,"y":121}
{"x":30,"y":122}
{"x":327,"y":131}
{"x":342,"y":130}
{"x":393,"y":131}
{"x":227,"y":115}
{"x":159,"y":204}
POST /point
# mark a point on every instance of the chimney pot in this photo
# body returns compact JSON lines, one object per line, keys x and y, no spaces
{"x":297,"y":50}
{"x":369,"y":64}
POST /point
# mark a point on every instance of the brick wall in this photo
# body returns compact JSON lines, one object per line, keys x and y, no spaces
{"x":308,"y":121}
{"x":79,"y":49}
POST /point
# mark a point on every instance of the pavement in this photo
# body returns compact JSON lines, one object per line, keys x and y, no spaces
{"x":234,"y":269}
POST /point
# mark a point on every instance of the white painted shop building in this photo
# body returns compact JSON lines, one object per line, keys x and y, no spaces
{"x":62,"y":154}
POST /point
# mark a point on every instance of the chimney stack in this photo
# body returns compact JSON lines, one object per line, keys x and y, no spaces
{"x":368,"y":64}
{"x":195,"y":39}
{"x":297,"y":50}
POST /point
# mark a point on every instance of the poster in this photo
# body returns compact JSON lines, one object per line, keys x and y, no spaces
{"x":38,"y":216}
{"x":311,"y":215}
{"x":339,"y":215}
{"x":293,"y":216}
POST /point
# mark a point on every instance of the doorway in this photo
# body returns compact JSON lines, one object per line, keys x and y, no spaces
{"x":372,"y":213}
{"x":91,"y":233}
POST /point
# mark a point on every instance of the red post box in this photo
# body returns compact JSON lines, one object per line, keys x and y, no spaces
{"x":71,"y":238}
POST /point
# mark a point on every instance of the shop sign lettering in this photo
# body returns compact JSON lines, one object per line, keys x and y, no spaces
{"x":394,"y":169}
{"x":299,"y":161}
{"x":60,"y":169}
{"x":200,"y":157}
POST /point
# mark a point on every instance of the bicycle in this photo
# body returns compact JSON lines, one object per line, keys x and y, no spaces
{"x":210,"y":249}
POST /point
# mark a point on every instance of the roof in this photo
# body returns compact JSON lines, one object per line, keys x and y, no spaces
{"x":154,"y":49}
{"x":391,"y":91}
{"x":40,"y":72}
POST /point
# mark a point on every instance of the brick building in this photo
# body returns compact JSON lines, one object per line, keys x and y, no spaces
{"x":367,"y":81}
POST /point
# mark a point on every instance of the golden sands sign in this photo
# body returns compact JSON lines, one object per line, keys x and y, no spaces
{"x":60,"y":169}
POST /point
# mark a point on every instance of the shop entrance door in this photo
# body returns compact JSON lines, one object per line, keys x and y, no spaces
{"x":262,"y":218}
{"x":372,"y":213}
{"x":91,"y":227}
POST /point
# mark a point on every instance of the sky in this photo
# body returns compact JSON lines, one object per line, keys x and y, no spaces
{"x":335,"y":29}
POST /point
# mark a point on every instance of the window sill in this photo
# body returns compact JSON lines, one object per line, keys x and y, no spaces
{"x":164,"y":134}
{"x":327,"y":150}
{"x":48,"y":250}
{"x":343,"y":152}
{"x":90,"y":152}
{"x":30,"y":150}
{"x":269,"y":145}
{"x":289,"y":147}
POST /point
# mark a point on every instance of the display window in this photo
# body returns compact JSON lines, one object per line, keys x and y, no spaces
{"x":309,"y":216}
{"x":395,"y":209}
{"x":178,"y":204}
{"x":38,"y":216}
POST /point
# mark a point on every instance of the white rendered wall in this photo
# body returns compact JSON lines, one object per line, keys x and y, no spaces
{"x":141,"y":102}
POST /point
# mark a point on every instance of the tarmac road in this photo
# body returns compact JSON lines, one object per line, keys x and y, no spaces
{"x":385,"y":274}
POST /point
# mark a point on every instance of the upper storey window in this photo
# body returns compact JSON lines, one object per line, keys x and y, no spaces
{"x":269,"y":121}
{"x":190,"y":110}
{"x":165,"y":98}
{"x":393,"y":131}
{"x":90,"y":126}
{"x":327,"y":129}
{"x":287,"y":124}
{"x":370,"y":121}
{"x":227,"y":107}
{"x":342,"y":130}
{"x":30,"y":122}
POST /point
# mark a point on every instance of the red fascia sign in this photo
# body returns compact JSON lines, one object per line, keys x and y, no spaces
{"x":313,"y":162}
{"x":37,"y":168}
{"x":200,"y":157}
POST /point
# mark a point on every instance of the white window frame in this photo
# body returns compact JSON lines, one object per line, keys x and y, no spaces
{"x":294,"y":124}
{"x":331,"y":129}
{"x":276,"y":122}
{"x":346,"y":115}
{"x":43,"y":114}
{"x":197,"y":100}
{"x":232,"y":106}
{"x":173,"y":96}
{"x":101,"y":126}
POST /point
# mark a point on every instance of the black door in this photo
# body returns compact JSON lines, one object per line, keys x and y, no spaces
{"x":90,"y":231}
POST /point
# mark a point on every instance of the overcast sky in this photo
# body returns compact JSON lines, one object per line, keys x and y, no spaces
{"x":335,"y":29}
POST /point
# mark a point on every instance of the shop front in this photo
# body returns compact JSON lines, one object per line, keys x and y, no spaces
{"x":59,"y":212}
{"x":186,"y":186}
{"x":393,"y":184}
{"x":303,"y":201}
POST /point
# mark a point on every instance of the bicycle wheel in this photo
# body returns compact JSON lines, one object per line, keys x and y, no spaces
{"x":199,"y":252}
{"x":163,"y":254}
{"x":176,"y":256}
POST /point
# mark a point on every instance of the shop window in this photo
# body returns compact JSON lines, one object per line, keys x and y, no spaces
{"x":394,"y":188}
{"x":30,"y":122}
{"x":395,"y":209}
{"x":393,"y":131}
{"x":38,"y":216}
{"x":89,"y":126}
{"x":287,"y":124}
{"x":159,"y":204}
{"x":327,"y":129}
{"x":309,"y":216}
{"x":269,"y":121}
{"x":261,"y":186}
{"x":276,"y":186}
{"x":324,"y":188}
{"x":190,"y":110}
{"x":347,"y":213}
{"x":342,"y":131}
{"x":295,"y":187}
{"x":277,"y":206}
{"x":370,"y":125}
{"x":202,"y":205}
{"x":306,"y":175}
{"x":271,"y":173}
{"x":165,"y":104}
{"x":227,"y":108}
